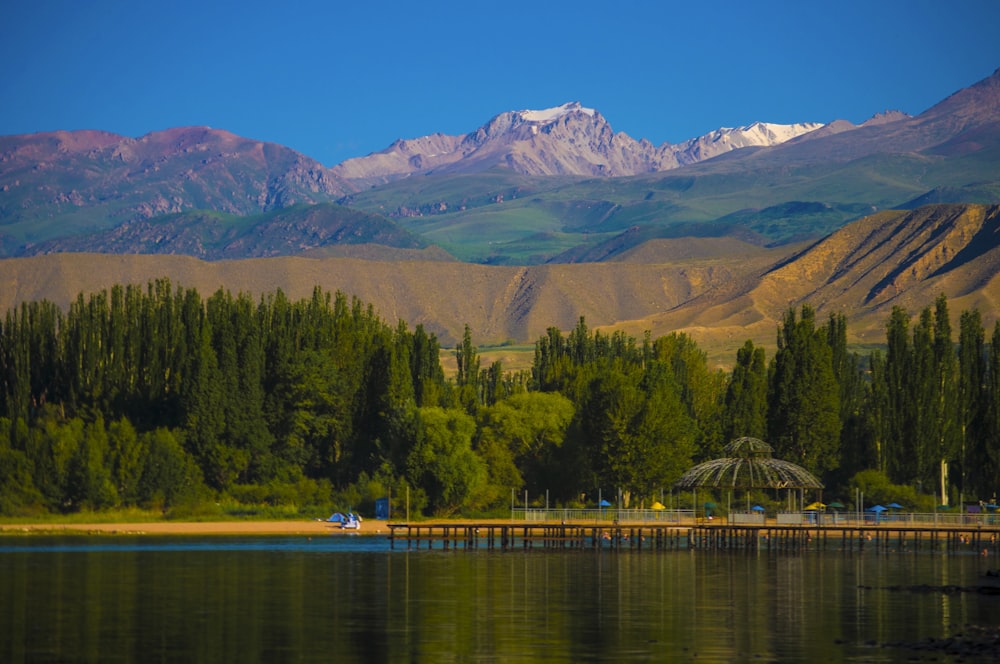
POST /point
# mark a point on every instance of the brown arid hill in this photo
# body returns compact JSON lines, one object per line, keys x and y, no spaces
{"x":499,"y":303}
{"x":721,"y":298}
{"x":902,"y":258}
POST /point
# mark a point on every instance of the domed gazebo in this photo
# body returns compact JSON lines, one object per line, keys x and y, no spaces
{"x":748,"y":464}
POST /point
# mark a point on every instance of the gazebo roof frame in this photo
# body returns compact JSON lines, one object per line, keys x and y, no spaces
{"x":748,"y":465}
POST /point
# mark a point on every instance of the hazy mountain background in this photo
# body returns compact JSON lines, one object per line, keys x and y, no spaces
{"x":532,"y":220}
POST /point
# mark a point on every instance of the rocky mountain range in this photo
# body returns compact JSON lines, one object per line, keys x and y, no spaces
{"x":565,"y":140}
{"x":61,"y":184}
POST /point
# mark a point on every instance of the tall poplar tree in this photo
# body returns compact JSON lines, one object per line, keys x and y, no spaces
{"x":896,"y":416}
{"x":935,"y":396}
{"x":467,"y":378}
{"x":971,"y":402}
{"x":804,"y":402}
{"x":855,"y":432}
{"x":745,"y":412}
{"x":988,"y":455}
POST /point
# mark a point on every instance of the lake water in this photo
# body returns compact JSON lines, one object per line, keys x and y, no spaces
{"x":352,"y":599}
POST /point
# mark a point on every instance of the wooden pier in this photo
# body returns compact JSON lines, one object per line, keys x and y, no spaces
{"x":982,"y":540}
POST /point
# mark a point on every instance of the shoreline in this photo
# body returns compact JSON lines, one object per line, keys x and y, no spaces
{"x":286,"y":527}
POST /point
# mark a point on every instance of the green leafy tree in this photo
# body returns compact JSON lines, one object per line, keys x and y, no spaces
{"x":18,"y":494}
{"x":126,"y":458}
{"x":522,"y":436}
{"x":636,"y":431}
{"x":169,"y":477}
{"x":51,"y":446}
{"x":442,"y":461}
{"x":88,"y":482}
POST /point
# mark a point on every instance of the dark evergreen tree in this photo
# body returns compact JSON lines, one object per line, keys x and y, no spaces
{"x":856,"y":435}
{"x":896,"y":414}
{"x":467,"y":379}
{"x":745,"y":412}
{"x":987,"y":455}
{"x":971,"y":404}
{"x":425,"y":369}
{"x":804,"y":398}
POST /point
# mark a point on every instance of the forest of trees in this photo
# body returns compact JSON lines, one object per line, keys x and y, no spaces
{"x":156,"y":398}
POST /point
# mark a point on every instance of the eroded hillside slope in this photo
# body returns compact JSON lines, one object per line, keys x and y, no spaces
{"x":894,"y":258}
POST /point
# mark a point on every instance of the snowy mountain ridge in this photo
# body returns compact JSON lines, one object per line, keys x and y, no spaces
{"x":569,"y":139}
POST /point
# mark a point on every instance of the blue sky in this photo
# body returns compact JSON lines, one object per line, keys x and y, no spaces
{"x":337,"y":79}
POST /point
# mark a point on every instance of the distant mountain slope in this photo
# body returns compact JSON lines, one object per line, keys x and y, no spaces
{"x":56,"y":184}
{"x":894,"y":258}
{"x":965,"y":123}
{"x":565,"y":140}
{"x":719,"y":294}
{"x":214,"y":236}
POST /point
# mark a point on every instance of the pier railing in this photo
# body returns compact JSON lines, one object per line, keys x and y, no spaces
{"x":806,"y":518}
{"x":916,"y":519}
{"x":609,"y":515}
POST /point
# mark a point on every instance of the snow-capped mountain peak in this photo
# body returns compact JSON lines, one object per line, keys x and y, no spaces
{"x":550,"y":114}
{"x":725,"y":139}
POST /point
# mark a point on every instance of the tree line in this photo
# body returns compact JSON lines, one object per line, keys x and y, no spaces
{"x":156,"y":397}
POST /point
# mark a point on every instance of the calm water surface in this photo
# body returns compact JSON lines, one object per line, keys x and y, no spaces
{"x":352,"y":599}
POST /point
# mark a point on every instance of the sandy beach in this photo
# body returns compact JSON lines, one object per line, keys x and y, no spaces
{"x":308,"y":528}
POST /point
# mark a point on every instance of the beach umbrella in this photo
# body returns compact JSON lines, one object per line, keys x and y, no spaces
{"x":658,"y":506}
{"x":757,"y":508}
{"x":877,"y":509}
{"x":604,"y":503}
{"x":811,"y":507}
{"x":895,"y":506}
{"x":836,"y":505}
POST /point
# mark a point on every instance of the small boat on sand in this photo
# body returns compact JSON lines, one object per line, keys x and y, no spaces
{"x":349,"y":521}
